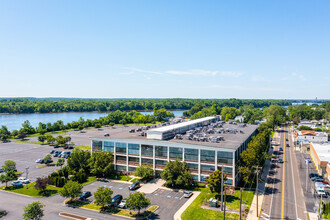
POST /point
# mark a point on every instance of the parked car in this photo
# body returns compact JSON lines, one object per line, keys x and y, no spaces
{"x":287,"y":139}
{"x":17,"y":184}
{"x":134,"y":186}
{"x":1,"y":170}
{"x":281,"y":149}
{"x":187,"y":194}
{"x":85,"y":195}
{"x":317,"y":179}
{"x":56,"y":154}
{"x":52,"y":151}
{"x":122,"y":205}
{"x":66,"y":146}
{"x":56,"y":146}
{"x":311,"y":175}
{"x":39,"y":161}
{"x":106,"y":135}
{"x":116,"y":201}
{"x":70,"y":147}
{"x":287,"y":145}
{"x":48,"y":161}
{"x":24,"y":180}
{"x":280,"y":160}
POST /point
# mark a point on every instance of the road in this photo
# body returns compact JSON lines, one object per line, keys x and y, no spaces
{"x":284,"y":197}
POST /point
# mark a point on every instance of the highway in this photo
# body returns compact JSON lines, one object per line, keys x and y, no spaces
{"x":284,"y":197}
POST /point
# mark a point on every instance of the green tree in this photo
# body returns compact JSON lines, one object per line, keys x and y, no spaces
{"x":9,"y":165}
{"x":79,"y":159}
{"x":137,"y":201}
{"x":33,"y":211}
{"x":275,"y":115}
{"x":176,"y":173}
{"x":214,"y":181}
{"x":8,"y":176}
{"x":48,"y":157}
{"x":60,"y":140}
{"x":60,"y":162}
{"x":50,"y":139}
{"x":145,"y":172}
{"x":101,"y":164}
{"x":102,"y":196}
{"x":71,"y":190}
{"x":42,"y":138}
{"x":41,"y":184}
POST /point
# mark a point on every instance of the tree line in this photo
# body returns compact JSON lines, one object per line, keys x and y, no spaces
{"x":30,"y":105}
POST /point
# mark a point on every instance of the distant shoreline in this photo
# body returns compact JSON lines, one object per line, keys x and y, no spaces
{"x":89,"y":112}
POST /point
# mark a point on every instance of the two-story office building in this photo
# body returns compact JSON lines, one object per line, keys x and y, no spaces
{"x":205,"y":144}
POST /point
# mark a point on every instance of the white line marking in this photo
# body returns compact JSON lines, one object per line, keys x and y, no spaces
{"x":265,"y":214}
{"x":294,"y":188}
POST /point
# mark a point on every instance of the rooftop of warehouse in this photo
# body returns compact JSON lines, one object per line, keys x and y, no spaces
{"x":322,"y":150}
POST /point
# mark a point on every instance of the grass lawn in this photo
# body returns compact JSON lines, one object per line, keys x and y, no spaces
{"x":135,"y":180}
{"x":121,"y":177}
{"x":31,"y":191}
{"x":89,"y":180}
{"x":194,"y":211}
{"x":82,"y":147}
{"x":124,"y":212}
{"x":28,"y":142}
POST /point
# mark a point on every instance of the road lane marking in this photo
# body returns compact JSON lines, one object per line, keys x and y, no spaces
{"x":294,"y":188}
{"x":265,"y":215}
{"x":283,"y":179}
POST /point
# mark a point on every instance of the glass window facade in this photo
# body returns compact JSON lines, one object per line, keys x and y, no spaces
{"x":120,"y":168}
{"x":109,"y":146}
{"x":203,"y":178}
{"x":175,"y":152}
{"x":120,"y":147}
{"x":147,"y":161}
{"x":134,"y":149}
{"x":120,"y":158}
{"x":207,"y":168}
{"x":225,"y":157}
{"x":161,"y":151}
{"x":228,"y":170}
{"x":207,"y":156}
{"x":161,"y":162}
{"x":192,"y":166}
{"x":195,"y":177}
{"x":131,"y":169}
{"x":147,"y":150}
{"x":96,"y":145}
{"x":191,"y":154}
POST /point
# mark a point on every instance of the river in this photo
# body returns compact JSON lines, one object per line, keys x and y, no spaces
{"x":14,"y":121}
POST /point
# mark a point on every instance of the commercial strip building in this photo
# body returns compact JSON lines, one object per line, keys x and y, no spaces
{"x":206,"y":144}
{"x":312,"y":136}
{"x":320,"y":154}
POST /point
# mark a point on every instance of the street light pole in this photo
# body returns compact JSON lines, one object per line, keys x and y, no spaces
{"x":27,"y":172}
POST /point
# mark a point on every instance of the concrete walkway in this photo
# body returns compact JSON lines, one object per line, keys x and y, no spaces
{"x":151,"y":186}
{"x":178,"y":214}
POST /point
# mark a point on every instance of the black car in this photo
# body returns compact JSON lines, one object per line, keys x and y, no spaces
{"x":134,"y":186}
{"x":70,"y":147}
{"x":48,"y":161}
{"x":85,"y":195}
{"x":116,"y":201}
{"x":52,"y":151}
{"x":311,"y":175}
{"x":56,"y":146}
{"x":56,"y":154}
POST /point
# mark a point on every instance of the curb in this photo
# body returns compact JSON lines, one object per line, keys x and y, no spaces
{"x":77,"y":218}
{"x":177,"y":215}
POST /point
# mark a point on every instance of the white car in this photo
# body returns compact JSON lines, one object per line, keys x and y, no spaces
{"x":122,"y":204}
{"x":38,"y":160}
{"x":24,"y":180}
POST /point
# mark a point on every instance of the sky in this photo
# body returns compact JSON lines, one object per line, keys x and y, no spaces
{"x":165,"y":49}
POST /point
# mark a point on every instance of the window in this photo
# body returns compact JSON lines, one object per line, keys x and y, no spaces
{"x":228,"y":170}
{"x":120,"y":168}
{"x":120,"y":158}
{"x":175,"y":152}
{"x":192,"y":166}
{"x":133,"y":159}
{"x":109,"y":146}
{"x":195,"y":177}
{"x":131,"y":169}
{"x":207,"y":168}
{"x":96,"y":145}
{"x":190,"y":154}
{"x":161,"y":151}
{"x":120,"y":147}
{"x":134,"y":149}
{"x":161,"y":162}
{"x":147,"y":150}
{"x":225,"y":157}
{"x":147,"y":161}
{"x":207,"y":156}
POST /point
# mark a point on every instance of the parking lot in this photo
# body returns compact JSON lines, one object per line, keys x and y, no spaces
{"x":25,"y":156}
{"x":169,"y":202}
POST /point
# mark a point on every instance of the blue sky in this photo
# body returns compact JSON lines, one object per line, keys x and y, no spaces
{"x":147,"y":49}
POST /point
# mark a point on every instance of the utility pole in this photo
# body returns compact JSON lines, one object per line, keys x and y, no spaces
{"x":27,"y":172}
{"x":240,"y":205}
{"x":221,"y":187}
{"x":224,"y":210}
{"x":307,"y":163}
{"x":257,"y":190}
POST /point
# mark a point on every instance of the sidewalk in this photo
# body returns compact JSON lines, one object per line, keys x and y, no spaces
{"x":177,"y":215}
{"x":252,"y":215}
{"x":151,"y":186}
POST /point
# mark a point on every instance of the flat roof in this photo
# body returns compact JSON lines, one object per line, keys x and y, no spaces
{"x":231,"y":141}
{"x":182,"y":124}
{"x":322,"y":151}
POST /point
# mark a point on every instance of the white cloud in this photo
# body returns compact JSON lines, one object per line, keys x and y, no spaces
{"x":194,"y":72}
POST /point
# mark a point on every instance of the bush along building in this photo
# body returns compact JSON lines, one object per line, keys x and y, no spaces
{"x":205,"y":144}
